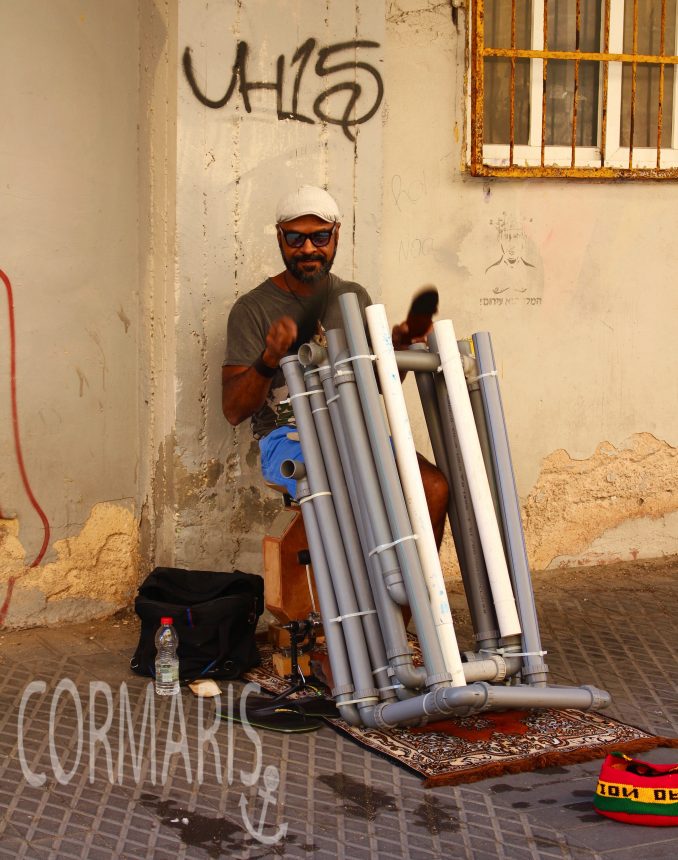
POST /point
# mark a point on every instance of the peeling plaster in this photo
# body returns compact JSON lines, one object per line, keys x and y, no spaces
{"x":633,"y":540}
{"x":253,"y":510}
{"x":575,"y":502}
{"x":196,"y":487}
{"x":252,"y":456}
{"x":96,"y":571}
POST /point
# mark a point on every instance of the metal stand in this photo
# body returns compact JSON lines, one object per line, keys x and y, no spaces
{"x":302,"y":638}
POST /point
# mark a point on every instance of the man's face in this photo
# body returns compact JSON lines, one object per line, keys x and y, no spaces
{"x":308,"y":263}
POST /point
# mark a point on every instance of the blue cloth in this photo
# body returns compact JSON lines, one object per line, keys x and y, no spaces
{"x":274,"y":448}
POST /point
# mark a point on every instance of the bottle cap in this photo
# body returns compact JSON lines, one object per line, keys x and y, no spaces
{"x":166,"y":620}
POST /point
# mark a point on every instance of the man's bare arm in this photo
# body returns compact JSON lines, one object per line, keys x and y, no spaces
{"x":244,"y":389}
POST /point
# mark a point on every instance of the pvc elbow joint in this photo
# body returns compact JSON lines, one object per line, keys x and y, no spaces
{"x":396,"y":587}
{"x":349,"y":712}
{"x":411,"y":676}
{"x":312,"y":354}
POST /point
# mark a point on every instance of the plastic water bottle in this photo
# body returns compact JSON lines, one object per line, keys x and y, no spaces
{"x":166,"y":660}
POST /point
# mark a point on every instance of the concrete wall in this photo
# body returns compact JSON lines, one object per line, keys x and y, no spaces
{"x":69,"y":248}
{"x":232,"y":167}
{"x":158,"y":64}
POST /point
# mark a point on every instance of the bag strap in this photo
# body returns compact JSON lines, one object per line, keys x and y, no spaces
{"x":249,"y":624}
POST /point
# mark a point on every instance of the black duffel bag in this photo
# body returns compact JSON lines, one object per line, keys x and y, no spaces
{"x":215,"y":616}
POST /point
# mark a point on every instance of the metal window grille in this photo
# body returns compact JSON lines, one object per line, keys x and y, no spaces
{"x":574,"y":88}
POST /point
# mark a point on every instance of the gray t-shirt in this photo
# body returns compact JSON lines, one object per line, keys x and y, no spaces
{"x":250,"y":320}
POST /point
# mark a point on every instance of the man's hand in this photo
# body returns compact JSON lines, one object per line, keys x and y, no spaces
{"x":280,"y":337}
{"x":419,"y":322}
{"x":244,"y":390}
{"x":402,"y":338}
{"x":400,"y":335}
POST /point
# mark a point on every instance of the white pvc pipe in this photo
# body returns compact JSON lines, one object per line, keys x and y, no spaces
{"x":413,"y":489}
{"x":479,"y":487}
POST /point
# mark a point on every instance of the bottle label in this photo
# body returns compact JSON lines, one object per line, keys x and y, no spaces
{"x":168,"y":674}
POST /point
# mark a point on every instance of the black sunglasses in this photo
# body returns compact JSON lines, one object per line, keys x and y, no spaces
{"x":319,"y":238}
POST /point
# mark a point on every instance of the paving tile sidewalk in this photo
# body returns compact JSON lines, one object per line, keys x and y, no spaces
{"x":615,"y":629}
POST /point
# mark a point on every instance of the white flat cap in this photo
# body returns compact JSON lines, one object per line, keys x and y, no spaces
{"x":307,"y":200}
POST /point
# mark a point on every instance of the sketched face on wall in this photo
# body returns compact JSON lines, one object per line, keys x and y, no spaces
{"x":512,"y":241}
{"x":515,"y":267}
{"x":512,"y":244}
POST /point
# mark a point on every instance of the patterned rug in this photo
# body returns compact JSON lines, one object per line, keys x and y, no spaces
{"x":466,"y":749}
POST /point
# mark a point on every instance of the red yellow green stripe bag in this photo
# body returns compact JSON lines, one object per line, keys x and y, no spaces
{"x":637,"y":792}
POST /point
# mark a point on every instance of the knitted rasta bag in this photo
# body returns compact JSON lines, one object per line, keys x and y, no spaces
{"x":637,"y":792}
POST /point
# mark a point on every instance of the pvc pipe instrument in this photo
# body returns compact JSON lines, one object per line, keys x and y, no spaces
{"x":370,"y":536}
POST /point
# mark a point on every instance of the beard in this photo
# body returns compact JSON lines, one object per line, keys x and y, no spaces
{"x":293,"y":266}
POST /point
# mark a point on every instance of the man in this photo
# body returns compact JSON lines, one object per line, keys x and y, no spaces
{"x":275,"y":318}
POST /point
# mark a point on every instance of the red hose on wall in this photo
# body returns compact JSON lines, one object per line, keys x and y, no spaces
{"x":17,"y":447}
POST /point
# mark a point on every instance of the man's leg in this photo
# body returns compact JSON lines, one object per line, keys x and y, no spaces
{"x":437,"y":496}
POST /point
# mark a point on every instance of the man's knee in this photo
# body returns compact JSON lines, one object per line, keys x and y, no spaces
{"x":435,"y":486}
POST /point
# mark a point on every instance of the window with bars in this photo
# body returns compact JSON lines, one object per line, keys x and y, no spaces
{"x":574,"y":88}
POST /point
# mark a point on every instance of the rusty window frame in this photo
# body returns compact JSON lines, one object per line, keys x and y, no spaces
{"x":608,"y":159}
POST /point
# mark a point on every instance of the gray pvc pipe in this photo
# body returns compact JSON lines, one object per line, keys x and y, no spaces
{"x":365,"y":468}
{"x":535,"y":670}
{"x":481,"y":696}
{"x":427,"y":396}
{"x":479,"y":596}
{"x":429,"y":405}
{"x":363,"y":486}
{"x":331,"y":536}
{"x":478,"y":410}
{"x":389,"y":482}
{"x":493,"y":669}
{"x":349,"y":531}
{"x":343,"y":691}
{"x":398,"y":652}
{"x":416,"y":360}
{"x":294,"y":469}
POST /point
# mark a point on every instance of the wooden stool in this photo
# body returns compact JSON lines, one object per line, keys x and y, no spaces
{"x":289,"y":589}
